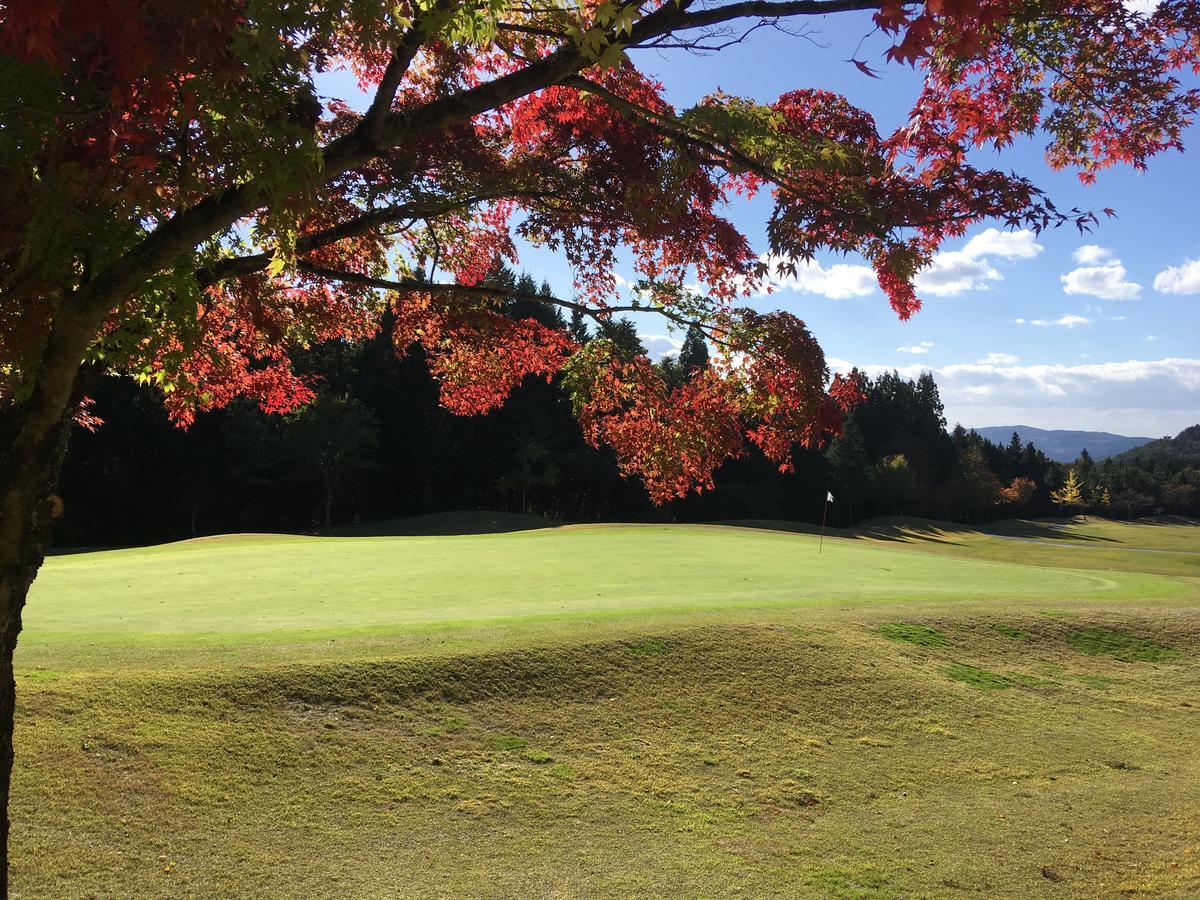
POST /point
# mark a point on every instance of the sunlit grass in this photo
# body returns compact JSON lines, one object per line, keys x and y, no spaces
{"x":699,"y":712}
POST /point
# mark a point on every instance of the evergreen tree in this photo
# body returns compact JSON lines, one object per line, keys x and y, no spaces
{"x":579,"y":327}
{"x":623,"y":333}
{"x":895,"y":483}
{"x":849,"y":469}
{"x":334,"y":440}
{"x":524,"y":305}
{"x":670,"y":371}
{"x":1085,"y":469}
{"x":693,"y":355}
{"x":975,"y":489}
{"x":552,"y":314}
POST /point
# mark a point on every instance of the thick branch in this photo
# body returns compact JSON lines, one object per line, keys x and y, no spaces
{"x":763,"y":9}
{"x":237,"y":266}
{"x":373,"y":121}
{"x":212,"y":215}
{"x":218,"y":212}
{"x":485,"y":292}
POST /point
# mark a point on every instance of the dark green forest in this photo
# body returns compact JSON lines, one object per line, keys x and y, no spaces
{"x":375,"y":445}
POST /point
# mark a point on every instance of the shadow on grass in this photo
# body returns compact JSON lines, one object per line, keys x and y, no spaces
{"x":1046,"y":530}
{"x":904,"y":529}
{"x":450,"y":523}
{"x":901,"y":529}
{"x":1165,"y":520}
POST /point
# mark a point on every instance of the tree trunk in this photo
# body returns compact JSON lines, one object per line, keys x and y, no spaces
{"x":33,"y":440}
{"x":29,"y":498}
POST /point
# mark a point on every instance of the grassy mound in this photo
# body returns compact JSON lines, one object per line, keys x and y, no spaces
{"x":608,"y":711}
{"x":823,"y":761}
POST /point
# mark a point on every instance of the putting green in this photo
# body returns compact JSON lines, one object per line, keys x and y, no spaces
{"x":256,"y":590}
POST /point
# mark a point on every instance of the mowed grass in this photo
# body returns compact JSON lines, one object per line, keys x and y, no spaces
{"x":256,"y":597}
{"x":1164,"y":533}
{"x":604,"y":712}
{"x":1168,"y":546}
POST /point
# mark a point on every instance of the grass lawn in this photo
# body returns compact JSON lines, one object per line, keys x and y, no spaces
{"x":1079,"y":543}
{"x":613,"y":711}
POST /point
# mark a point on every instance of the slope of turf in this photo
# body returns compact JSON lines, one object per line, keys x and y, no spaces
{"x":1163,"y":546}
{"x":238,"y":597}
{"x":1169,"y":533}
{"x":607,"y":712}
{"x":831,"y":759}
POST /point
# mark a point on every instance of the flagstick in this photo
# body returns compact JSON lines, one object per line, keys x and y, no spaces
{"x":824,"y":513}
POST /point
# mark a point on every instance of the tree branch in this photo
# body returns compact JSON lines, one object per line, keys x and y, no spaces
{"x":485,"y":292}
{"x":373,"y":121}
{"x":245,"y":265}
{"x":764,"y":9}
{"x":183,"y":232}
{"x":672,"y":127}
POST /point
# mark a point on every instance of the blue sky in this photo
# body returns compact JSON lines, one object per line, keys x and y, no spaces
{"x":1098,"y":331}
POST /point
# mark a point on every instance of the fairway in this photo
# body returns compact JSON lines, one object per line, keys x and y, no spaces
{"x":211,"y":599}
{"x":613,"y":711}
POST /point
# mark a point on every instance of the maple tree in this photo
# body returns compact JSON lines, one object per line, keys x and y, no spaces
{"x":1019,"y":491}
{"x":181,"y":206}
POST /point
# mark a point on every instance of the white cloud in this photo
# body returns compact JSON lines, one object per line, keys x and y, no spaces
{"x":948,"y":274}
{"x":1091,"y":255}
{"x":922,"y":347}
{"x":1150,"y":337}
{"x":955,"y":272}
{"x":1099,"y":274}
{"x":839,"y":281}
{"x":1141,"y":7}
{"x":998,"y":359}
{"x":1005,"y":244}
{"x":1069,"y":321}
{"x":1066,"y":321}
{"x":1183,"y":279}
{"x":1150,"y":397}
{"x":660,"y":345}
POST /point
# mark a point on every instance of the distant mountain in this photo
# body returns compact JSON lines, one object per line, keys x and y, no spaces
{"x":1065,"y":446}
{"x":1185,"y":445}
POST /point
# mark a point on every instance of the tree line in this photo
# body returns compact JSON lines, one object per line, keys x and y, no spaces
{"x":375,"y":445}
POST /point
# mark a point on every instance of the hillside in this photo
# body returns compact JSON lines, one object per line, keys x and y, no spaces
{"x":612,"y":711}
{"x":1184,"y":446}
{"x":1062,"y":445}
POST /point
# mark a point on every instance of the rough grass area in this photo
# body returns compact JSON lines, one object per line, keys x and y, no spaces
{"x":830,"y":761}
{"x":1119,"y":644}
{"x":921,"y":635}
{"x":609,"y":712}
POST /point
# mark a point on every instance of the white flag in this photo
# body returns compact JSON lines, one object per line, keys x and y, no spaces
{"x":828,"y":496}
